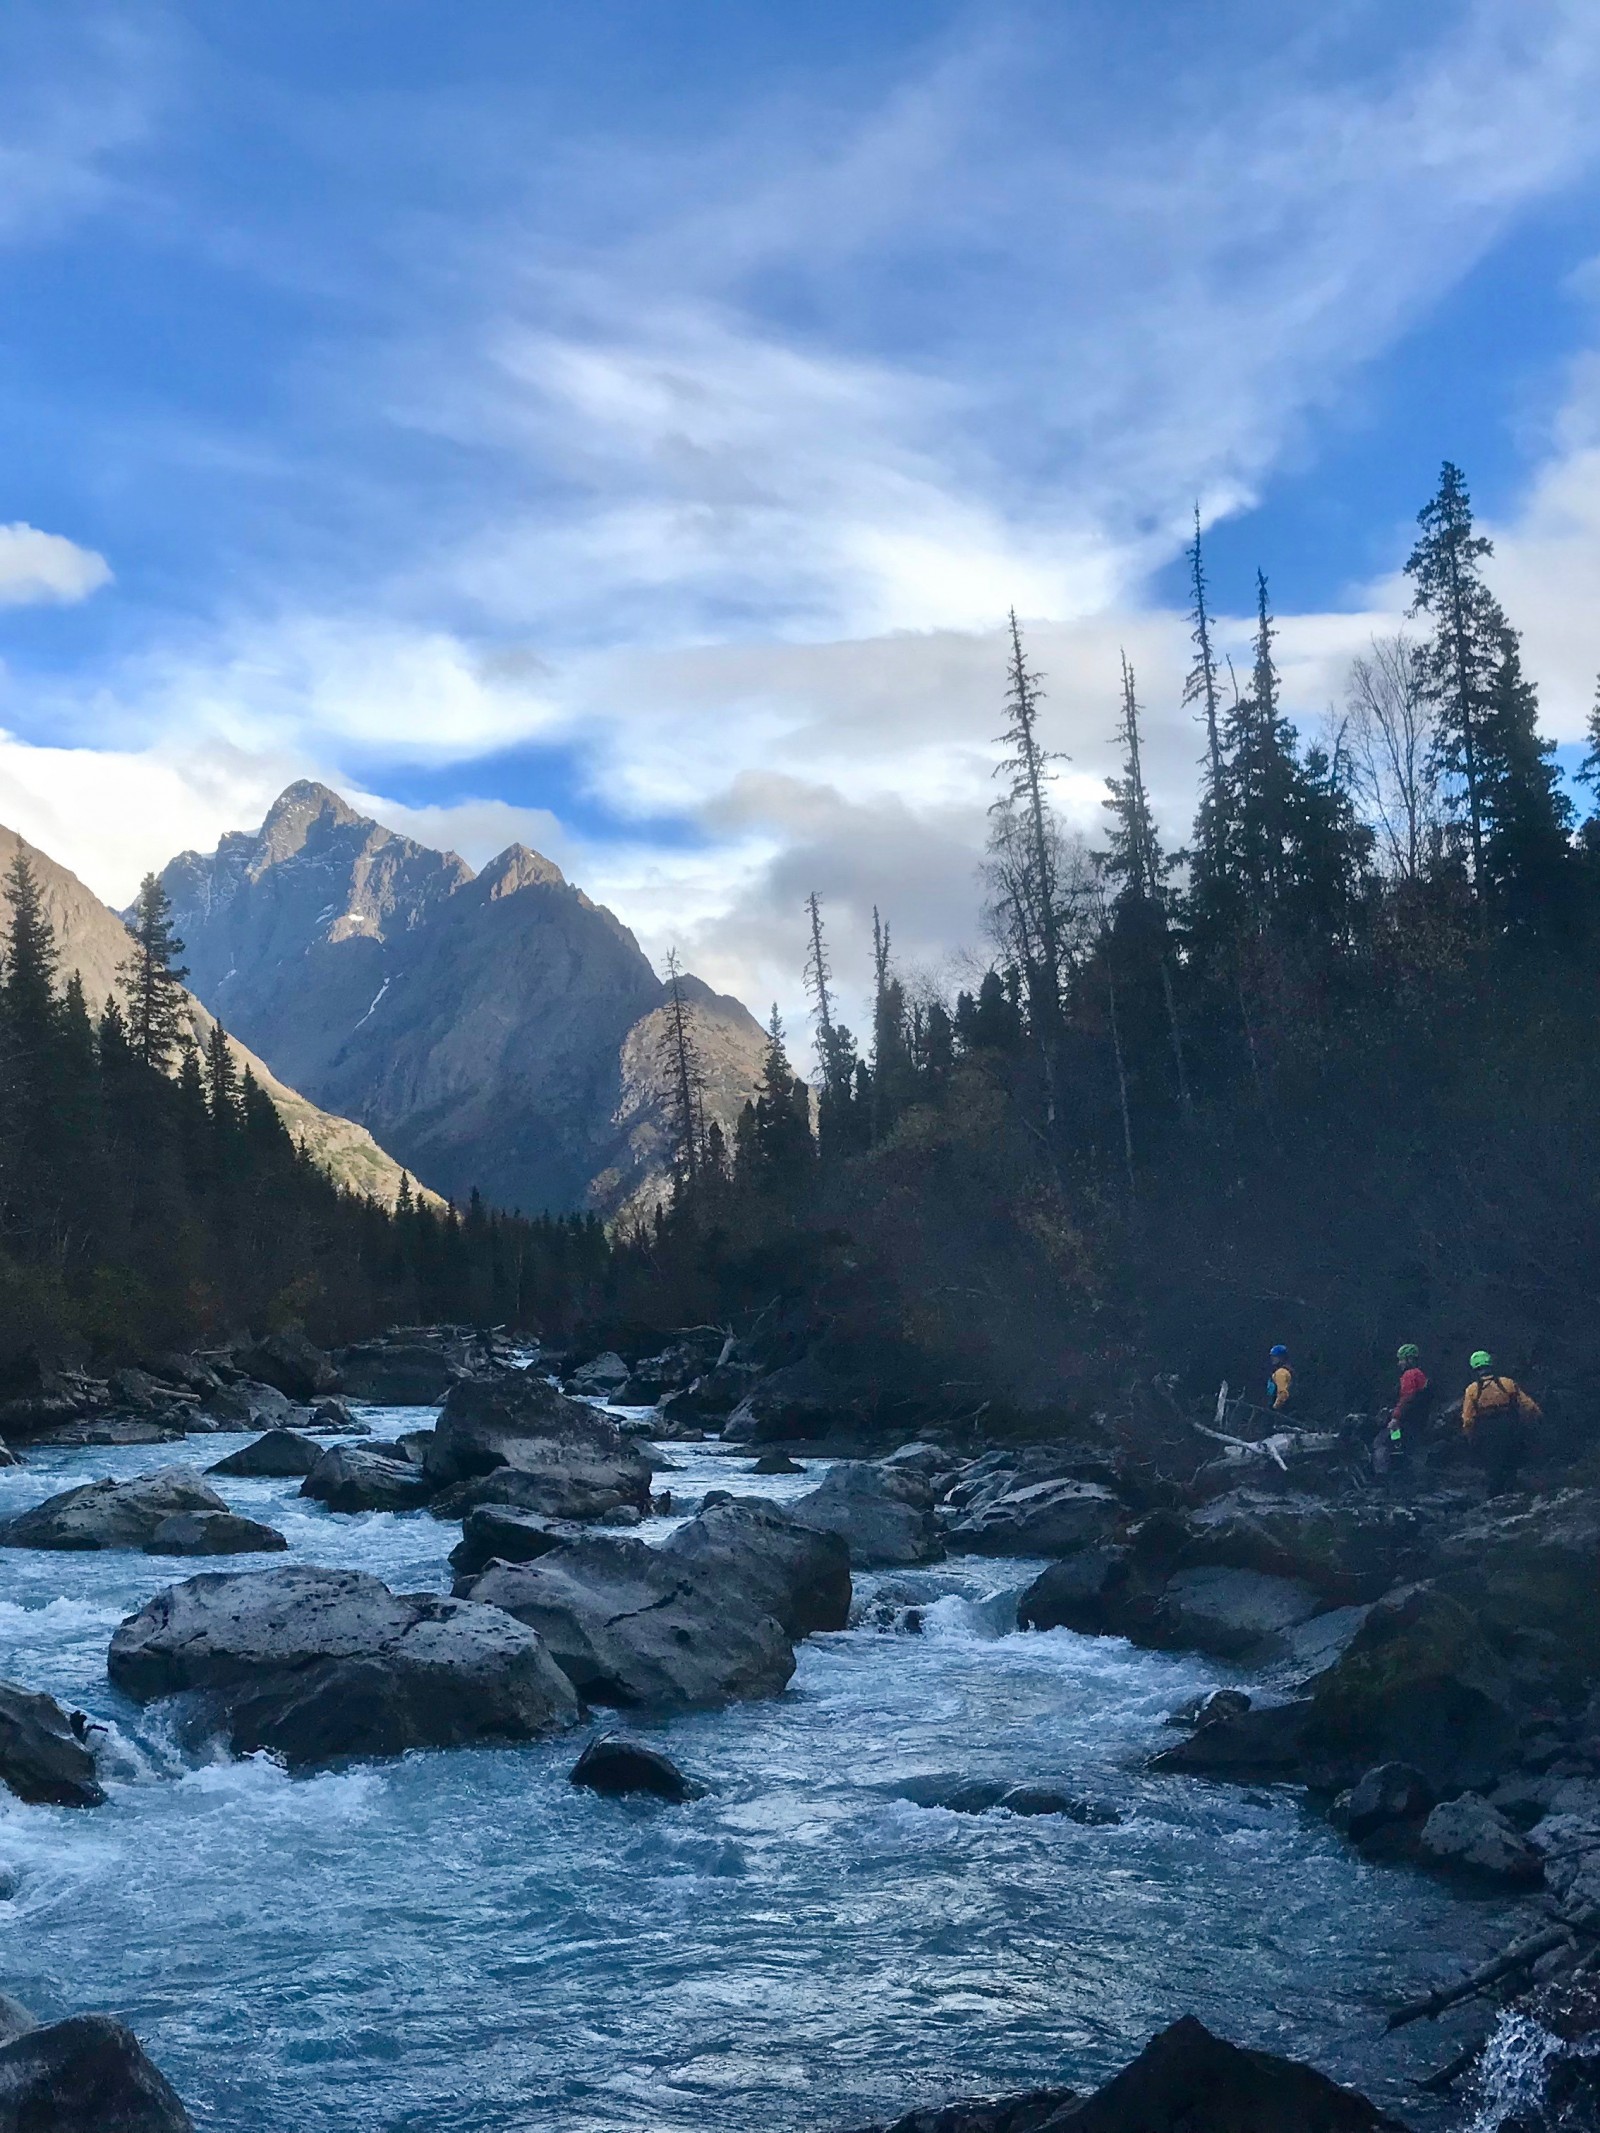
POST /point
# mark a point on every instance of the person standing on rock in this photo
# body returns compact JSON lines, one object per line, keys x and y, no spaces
{"x":1399,"y":1440}
{"x":1496,"y":1415}
{"x":1280,"y":1379}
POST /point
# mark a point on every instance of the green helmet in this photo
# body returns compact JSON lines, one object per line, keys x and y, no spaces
{"x":1410,"y":1352}
{"x":1482,"y":1359}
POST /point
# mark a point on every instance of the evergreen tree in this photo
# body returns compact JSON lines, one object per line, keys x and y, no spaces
{"x":839,"y":1123}
{"x":1201,"y":688}
{"x":1460,"y":662}
{"x":1527,"y":815}
{"x":1589,"y":770}
{"x":779,"y":1139}
{"x":1134,"y":856}
{"x":30,"y":960}
{"x":686,"y":1081}
{"x":153,"y":979}
{"x":891,"y":1056}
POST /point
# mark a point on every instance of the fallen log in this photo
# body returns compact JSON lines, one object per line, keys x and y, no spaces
{"x":1518,"y":1956}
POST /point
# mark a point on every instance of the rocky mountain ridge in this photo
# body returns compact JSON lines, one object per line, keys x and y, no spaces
{"x":496,"y":1029}
{"x":93,"y":941}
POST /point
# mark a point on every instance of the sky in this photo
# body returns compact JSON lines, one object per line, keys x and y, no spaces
{"x":625,"y":428}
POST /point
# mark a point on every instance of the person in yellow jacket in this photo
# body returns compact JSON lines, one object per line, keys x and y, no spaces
{"x":1496,"y":1415}
{"x":1280,"y":1380}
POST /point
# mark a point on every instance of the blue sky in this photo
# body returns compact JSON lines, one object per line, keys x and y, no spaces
{"x":624,"y":427}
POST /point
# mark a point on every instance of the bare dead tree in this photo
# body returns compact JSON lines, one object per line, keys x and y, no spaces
{"x":1391,"y":732}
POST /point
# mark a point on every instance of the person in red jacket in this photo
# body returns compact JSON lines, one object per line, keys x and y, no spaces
{"x":1399,"y":1440}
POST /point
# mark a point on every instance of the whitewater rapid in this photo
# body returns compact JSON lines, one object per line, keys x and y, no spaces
{"x":462,"y":1942}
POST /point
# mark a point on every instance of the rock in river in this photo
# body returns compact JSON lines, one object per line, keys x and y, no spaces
{"x":795,"y":1572}
{"x":85,"y":2075}
{"x":42,"y":1759}
{"x":864,"y":1506}
{"x":576,"y":1459}
{"x":628,"y":1624}
{"x":618,"y":1767}
{"x":213,"y":1533}
{"x":316,"y":1664}
{"x":1045,"y":1518}
{"x":111,"y":1514}
{"x":499,"y":1533}
{"x":1468,"y":1834}
{"x":279,"y":1455}
{"x":350,"y":1478}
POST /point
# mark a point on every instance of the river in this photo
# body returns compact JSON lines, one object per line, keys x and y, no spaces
{"x":462,"y":1942}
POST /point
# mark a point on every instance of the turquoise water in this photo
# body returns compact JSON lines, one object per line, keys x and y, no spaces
{"x":463,"y":1943}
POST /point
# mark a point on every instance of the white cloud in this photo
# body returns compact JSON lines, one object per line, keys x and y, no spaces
{"x":37,"y":566}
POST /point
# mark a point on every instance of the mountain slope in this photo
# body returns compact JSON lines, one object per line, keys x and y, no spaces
{"x":93,"y":941}
{"x":493,"y":1029}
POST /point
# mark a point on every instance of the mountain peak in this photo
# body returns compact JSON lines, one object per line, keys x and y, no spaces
{"x":518,"y":867}
{"x":290,"y":818}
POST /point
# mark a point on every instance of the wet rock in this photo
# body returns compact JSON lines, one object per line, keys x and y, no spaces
{"x":1269,"y":1743}
{"x":397,"y":1373}
{"x":113,"y":1430}
{"x":42,"y":1760}
{"x":279,"y":1455}
{"x":332,"y":1418}
{"x":14,"y":2018}
{"x":498,"y":1533}
{"x":1468,"y":1834}
{"x":8,"y":1457}
{"x":619,"y":1767}
{"x":1569,"y":1846}
{"x":1030,"y":2111}
{"x":1233,"y":1614}
{"x":137,"y":1391}
{"x":350,"y":1478}
{"x":315,"y":1665}
{"x":246,"y":1404}
{"x":711,"y":1397}
{"x":111,"y":1514}
{"x":801,"y":1402}
{"x":1188,"y":2081}
{"x":213,"y":1533}
{"x":776,"y":1463}
{"x":296,"y":1366}
{"x":85,"y":2075}
{"x":1083,"y":1593}
{"x":981,"y":1796}
{"x":629,"y":1625}
{"x":863,"y":1506}
{"x":1349,"y":1553}
{"x":602,"y":1378}
{"x":1217,"y":1704}
{"x":1388,"y":1793}
{"x":1043,"y":1518}
{"x":780,"y":1565}
{"x":520,"y":1423}
{"x":1526,"y":1571}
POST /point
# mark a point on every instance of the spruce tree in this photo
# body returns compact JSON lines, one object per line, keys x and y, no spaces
{"x":1460,"y":661}
{"x":686,"y":1081}
{"x":1589,"y":769}
{"x":1201,"y":686}
{"x":1527,"y":815}
{"x":1133,"y":856}
{"x":153,"y":979}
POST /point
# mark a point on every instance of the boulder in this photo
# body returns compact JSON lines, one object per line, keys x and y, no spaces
{"x":803,"y":1401}
{"x":1083,"y":1593}
{"x":298,"y":1368}
{"x":1526,"y":1571}
{"x":111,"y":1514}
{"x":315,"y":1665}
{"x":1471,"y":1836}
{"x":1029,"y":2111}
{"x":776,"y":1463}
{"x":498,"y":1533}
{"x":332,"y":1418}
{"x":629,"y":1625}
{"x":1233,"y":1614}
{"x":775,"y":1563}
{"x":602,"y":1378}
{"x":14,"y":2018}
{"x":1043,"y":1518}
{"x":213,"y":1533}
{"x":115,"y":1430}
{"x":7,"y":1456}
{"x":520,"y":1422}
{"x":249,"y":1405}
{"x":709,"y":1398}
{"x":618,"y":1767}
{"x":85,"y":2075}
{"x":981,"y":1796}
{"x":398,"y":1373}
{"x":865,"y":1508}
{"x":1188,"y":2081}
{"x":1386,"y":1794}
{"x":1348,"y":1552}
{"x":137,"y":1391}
{"x":350,"y":1478}
{"x":42,"y":1759}
{"x":279,"y":1455}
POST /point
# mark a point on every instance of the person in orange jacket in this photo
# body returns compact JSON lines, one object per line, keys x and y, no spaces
{"x":1280,"y":1379}
{"x":1496,"y":1415}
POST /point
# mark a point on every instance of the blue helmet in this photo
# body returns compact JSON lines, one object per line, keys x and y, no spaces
{"x":1279,"y":1352}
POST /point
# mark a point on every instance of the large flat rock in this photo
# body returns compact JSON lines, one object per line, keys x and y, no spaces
{"x":578,"y":1460}
{"x":630,"y":1625}
{"x":317,"y":1664}
{"x":111,"y":1514}
{"x":874,"y":1513}
{"x":797,"y":1573}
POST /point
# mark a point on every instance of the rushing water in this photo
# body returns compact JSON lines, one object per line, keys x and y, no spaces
{"x":462,"y":1942}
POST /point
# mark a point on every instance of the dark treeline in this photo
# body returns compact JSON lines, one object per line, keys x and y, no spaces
{"x":151,"y":1198}
{"x":1330,"y":1076}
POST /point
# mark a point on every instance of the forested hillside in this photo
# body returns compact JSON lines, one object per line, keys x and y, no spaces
{"x":1331,"y":1076}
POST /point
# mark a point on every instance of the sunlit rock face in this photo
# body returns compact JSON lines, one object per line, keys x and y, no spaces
{"x":498,"y":1029}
